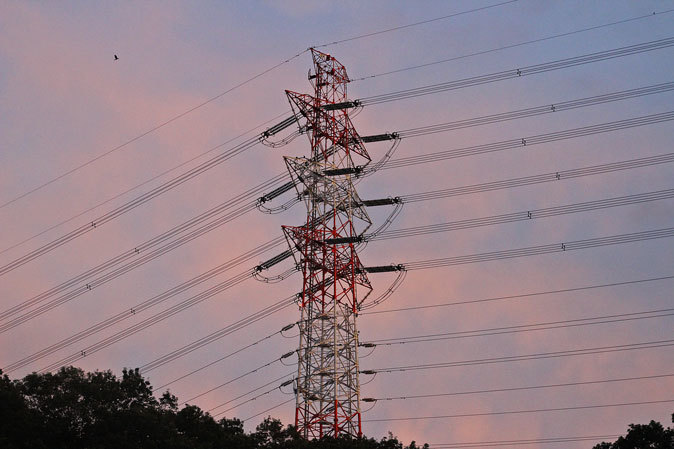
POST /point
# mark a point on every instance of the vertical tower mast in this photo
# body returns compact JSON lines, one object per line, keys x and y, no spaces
{"x":334,"y":281}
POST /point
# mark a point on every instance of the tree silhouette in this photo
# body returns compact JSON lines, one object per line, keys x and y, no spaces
{"x":77,"y":410}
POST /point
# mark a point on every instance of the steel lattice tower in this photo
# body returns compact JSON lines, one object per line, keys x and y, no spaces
{"x":334,"y":281}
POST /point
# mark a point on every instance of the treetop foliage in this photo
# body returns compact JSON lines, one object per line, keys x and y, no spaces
{"x":77,"y":410}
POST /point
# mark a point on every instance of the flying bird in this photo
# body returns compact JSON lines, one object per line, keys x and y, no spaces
{"x":116,"y":58}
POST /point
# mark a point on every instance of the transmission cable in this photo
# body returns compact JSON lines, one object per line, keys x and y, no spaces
{"x":523,"y":215}
{"x":150,"y":321}
{"x":563,"y":324}
{"x":131,"y":189}
{"x":409,"y":25}
{"x":497,"y":443}
{"x":513,"y":412}
{"x":258,"y":396}
{"x":523,"y":295}
{"x":215,"y":214}
{"x":400,"y":233}
{"x":220,"y":333}
{"x":505,"y":47}
{"x":414,"y":132}
{"x":209,"y":364}
{"x":522,"y":388}
{"x":631,"y":199}
{"x":151,"y":130}
{"x":519,"y":72}
{"x":247,"y":373}
{"x":525,"y":357}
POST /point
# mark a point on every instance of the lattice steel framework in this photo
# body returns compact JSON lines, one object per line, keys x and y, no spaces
{"x":334,"y":281}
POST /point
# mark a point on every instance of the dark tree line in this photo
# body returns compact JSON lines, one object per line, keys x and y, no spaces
{"x":643,"y":436}
{"x":73,"y":409}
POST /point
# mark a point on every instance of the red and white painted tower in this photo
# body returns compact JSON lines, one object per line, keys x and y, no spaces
{"x":334,"y":281}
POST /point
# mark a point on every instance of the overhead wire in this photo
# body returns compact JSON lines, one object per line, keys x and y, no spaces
{"x":247,"y":373}
{"x":268,"y":410}
{"x":150,"y":321}
{"x":414,"y":132}
{"x":498,"y":443}
{"x":217,"y":219}
{"x":285,"y":376}
{"x":131,"y":189}
{"x":399,"y":233}
{"x":562,"y":324}
{"x":409,"y":25}
{"x":521,"y":388}
{"x":515,"y":412}
{"x":528,"y":141}
{"x":151,"y":130}
{"x":524,"y":295}
{"x":524,"y":357}
{"x":519,"y":72}
{"x":519,"y":44}
{"x":436,"y":228}
{"x":220,"y":359}
{"x":526,"y":215}
{"x":541,"y":249}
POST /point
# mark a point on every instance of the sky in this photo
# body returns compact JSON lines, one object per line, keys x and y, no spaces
{"x":65,"y":102}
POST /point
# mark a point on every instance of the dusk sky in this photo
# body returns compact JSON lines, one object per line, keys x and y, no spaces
{"x":82,"y":134}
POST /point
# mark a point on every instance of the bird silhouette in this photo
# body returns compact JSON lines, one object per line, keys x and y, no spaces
{"x":116,"y":58}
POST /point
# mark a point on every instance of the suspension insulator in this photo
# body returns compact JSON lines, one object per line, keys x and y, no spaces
{"x":382,"y":201}
{"x":344,"y":240}
{"x":276,"y":192}
{"x":280,"y":126}
{"x":343,"y":171}
{"x":342,"y":105}
{"x":384,"y":268}
{"x":274,"y":260}
{"x":379,"y":137}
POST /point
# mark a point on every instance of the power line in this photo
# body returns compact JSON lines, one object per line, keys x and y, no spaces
{"x":541,"y":249}
{"x":514,"y":412}
{"x":541,"y":178}
{"x":525,"y":142}
{"x":409,"y":25}
{"x":538,"y":110}
{"x":258,"y":396}
{"x":562,"y":324}
{"x":519,"y":72}
{"x":523,"y":388}
{"x":269,"y":409}
{"x":612,"y":202}
{"x":523,"y":295}
{"x":497,"y":443}
{"x":155,"y":177}
{"x":150,"y":321}
{"x":117,"y":212}
{"x":525,"y":357}
{"x":201,"y":368}
{"x":217,"y":219}
{"x":247,"y":373}
{"x":523,"y":215}
{"x":151,"y":130}
{"x":396,"y":163}
{"x":505,"y":47}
